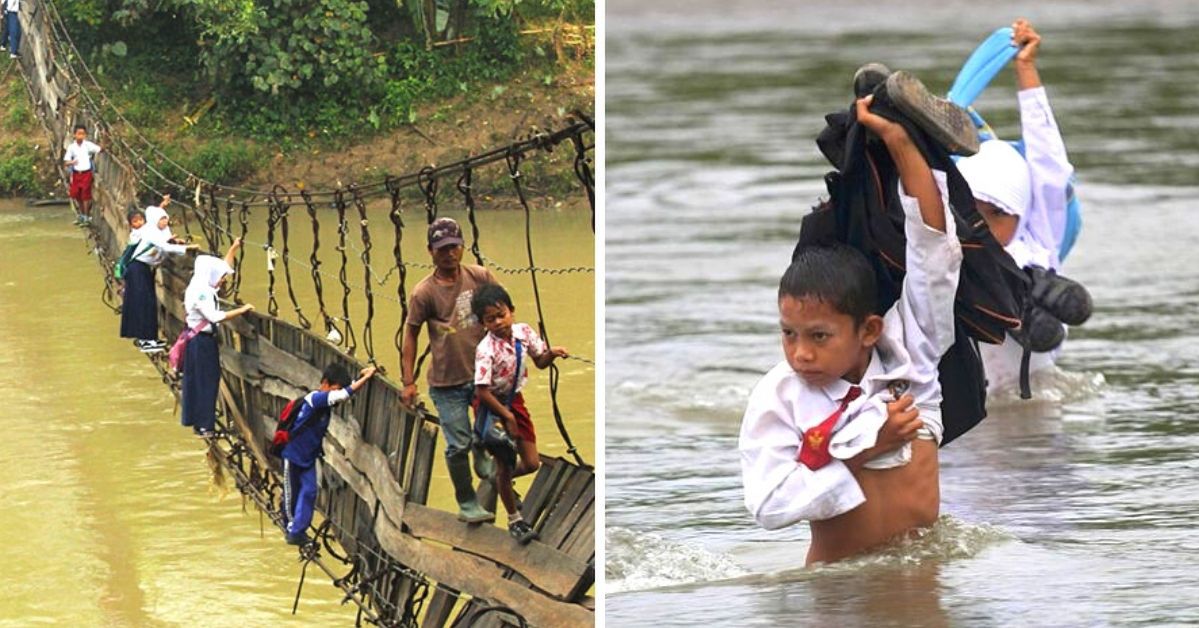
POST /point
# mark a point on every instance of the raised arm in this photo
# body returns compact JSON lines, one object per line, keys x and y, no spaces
{"x":914,"y":172}
{"x":232,"y":253}
{"x":541,"y":354}
{"x":324,"y":399}
{"x":1048,"y":165}
{"x":779,"y":491}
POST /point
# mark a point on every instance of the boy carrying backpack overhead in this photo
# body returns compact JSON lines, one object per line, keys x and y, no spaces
{"x":298,"y":441}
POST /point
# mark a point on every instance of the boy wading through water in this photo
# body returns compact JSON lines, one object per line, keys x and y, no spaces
{"x":442,"y":301}
{"x":842,"y":360}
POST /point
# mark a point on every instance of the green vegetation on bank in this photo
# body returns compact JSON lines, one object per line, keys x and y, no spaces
{"x":22,"y":171}
{"x":304,"y":72}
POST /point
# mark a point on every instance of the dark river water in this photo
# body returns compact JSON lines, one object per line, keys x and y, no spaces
{"x":1079,"y":508}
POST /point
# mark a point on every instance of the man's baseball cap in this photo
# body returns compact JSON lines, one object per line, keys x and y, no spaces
{"x":444,"y":232}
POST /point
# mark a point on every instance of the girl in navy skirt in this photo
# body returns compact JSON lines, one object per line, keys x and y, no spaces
{"x":202,"y":358}
{"x":153,"y":242}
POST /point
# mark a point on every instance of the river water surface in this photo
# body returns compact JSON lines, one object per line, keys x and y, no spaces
{"x":1079,"y":508}
{"x":106,"y":502}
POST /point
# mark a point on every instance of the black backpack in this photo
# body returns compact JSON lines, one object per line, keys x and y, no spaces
{"x":864,"y":212}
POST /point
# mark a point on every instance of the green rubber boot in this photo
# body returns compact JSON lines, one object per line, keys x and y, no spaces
{"x":469,"y":509}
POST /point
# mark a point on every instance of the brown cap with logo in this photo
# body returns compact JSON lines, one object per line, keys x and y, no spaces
{"x":444,"y":232}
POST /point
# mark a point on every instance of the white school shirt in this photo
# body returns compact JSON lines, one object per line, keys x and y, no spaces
{"x":1039,"y":236}
{"x":1041,"y":230}
{"x":154,"y":243}
{"x":82,"y":154}
{"x":495,"y":359}
{"x":12,"y":5}
{"x":917,"y":331}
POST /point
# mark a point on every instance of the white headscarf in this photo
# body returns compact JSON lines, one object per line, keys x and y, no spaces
{"x":208,"y":273}
{"x":150,"y":230}
{"x":998,"y":174}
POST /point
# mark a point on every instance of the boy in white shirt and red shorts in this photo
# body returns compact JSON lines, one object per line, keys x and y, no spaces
{"x":501,"y":371}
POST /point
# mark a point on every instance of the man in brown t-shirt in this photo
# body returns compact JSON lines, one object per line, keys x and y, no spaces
{"x":442,"y":300}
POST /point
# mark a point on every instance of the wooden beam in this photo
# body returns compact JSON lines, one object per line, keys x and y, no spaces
{"x":544,"y":566}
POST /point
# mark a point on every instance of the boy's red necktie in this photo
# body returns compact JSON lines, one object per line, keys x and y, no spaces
{"x":813,"y":451}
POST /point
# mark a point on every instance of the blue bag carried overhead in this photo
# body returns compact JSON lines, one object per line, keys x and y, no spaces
{"x":977,"y":72}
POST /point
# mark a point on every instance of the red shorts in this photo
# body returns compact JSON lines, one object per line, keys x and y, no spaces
{"x":523,"y":429}
{"x":81,"y":186}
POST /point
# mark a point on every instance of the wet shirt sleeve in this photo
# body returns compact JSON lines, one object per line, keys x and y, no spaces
{"x":1048,"y":167}
{"x":779,"y":491}
{"x":924,"y":313}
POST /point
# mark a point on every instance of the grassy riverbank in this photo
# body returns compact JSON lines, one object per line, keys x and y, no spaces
{"x":422,"y":106}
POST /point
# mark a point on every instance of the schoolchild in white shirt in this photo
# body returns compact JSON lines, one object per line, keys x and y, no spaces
{"x":79,"y":159}
{"x":152,"y":243}
{"x":501,"y":370}
{"x":1024,"y":200}
{"x":202,"y":358}
{"x":843,"y":362}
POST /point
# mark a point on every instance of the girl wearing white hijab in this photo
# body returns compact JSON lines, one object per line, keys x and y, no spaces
{"x":202,"y":361}
{"x":1024,"y":198}
{"x":152,"y":242}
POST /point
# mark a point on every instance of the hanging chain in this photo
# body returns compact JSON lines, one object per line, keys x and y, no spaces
{"x":368,"y":334}
{"x":514,"y":173}
{"x":315,"y":264}
{"x":243,"y":217}
{"x":284,"y":207}
{"x":583,"y":172}
{"x":464,"y":186}
{"x":426,"y":179}
{"x":340,"y":201}
{"x":272,"y":306}
{"x":401,"y":290}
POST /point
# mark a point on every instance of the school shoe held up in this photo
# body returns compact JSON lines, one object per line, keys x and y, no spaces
{"x":948,"y":124}
{"x":869,"y":77}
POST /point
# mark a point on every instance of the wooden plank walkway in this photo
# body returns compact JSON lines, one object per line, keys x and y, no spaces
{"x":377,"y":472}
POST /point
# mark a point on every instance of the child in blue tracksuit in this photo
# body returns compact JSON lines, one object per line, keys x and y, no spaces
{"x":304,"y":446}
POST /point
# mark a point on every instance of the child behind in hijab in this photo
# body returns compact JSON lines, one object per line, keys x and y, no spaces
{"x":201,"y":361}
{"x":152,"y":242}
{"x":1024,"y":200}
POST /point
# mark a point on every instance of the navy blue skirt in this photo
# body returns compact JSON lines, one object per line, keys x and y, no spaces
{"x":201,"y":379}
{"x":139,"y":313}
